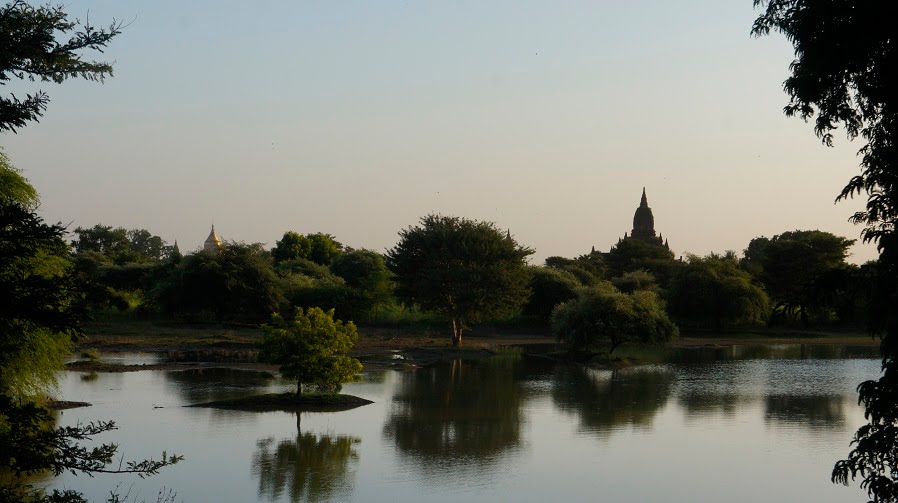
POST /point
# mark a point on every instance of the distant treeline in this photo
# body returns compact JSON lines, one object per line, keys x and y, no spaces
{"x":798,"y":278}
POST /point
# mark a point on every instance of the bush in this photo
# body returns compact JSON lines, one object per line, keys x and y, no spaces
{"x":603,"y":312}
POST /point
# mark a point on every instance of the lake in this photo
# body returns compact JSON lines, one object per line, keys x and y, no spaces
{"x":735,"y":424}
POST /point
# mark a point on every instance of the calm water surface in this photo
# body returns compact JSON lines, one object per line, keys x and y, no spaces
{"x":730,"y":424}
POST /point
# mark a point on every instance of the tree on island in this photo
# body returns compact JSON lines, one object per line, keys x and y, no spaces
{"x":311,"y":348}
{"x":466,"y":270}
{"x":602,"y":312}
{"x":31,"y":51}
{"x":715,"y":290}
{"x":844,"y":72}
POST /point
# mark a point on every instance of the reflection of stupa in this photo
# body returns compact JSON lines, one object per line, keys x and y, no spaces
{"x":213,"y":242}
{"x":644,"y":225}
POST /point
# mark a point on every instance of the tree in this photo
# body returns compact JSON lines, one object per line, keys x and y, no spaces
{"x":121,"y":245}
{"x":41,"y":310}
{"x":844,"y":73}
{"x":788,"y":262}
{"x":549,"y":287}
{"x":633,"y":255}
{"x":238,"y":283}
{"x":463,"y":269}
{"x":714,"y":289}
{"x":589,"y":269}
{"x":14,"y":186}
{"x":311,"y":348}
{"x":603,"y":312}
{"x":633,"y":281}
{"x":366,"y":272}
{"x":30,"y":51}
{"x":319,"y":248}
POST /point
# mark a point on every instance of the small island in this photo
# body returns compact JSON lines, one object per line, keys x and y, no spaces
{"x":289,"y":402}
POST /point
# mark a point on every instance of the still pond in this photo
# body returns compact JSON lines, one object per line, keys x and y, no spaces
{"x":736,"y":424}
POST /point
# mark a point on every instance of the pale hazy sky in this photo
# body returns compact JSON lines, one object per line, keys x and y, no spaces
{"x":357,"y":118}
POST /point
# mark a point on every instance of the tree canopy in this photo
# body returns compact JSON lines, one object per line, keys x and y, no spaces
{"x":548,"y":288}
{"x":714,"y":290}
{"x":30,"y":51}
{"x":319,"y":247}
{"x":463,"y":269}
{"x":788,"y":262}
{"x":604,"y":313}
{"x":121,"y":245}
{"x":634,"y":255}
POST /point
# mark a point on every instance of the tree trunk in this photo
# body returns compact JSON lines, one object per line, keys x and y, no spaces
{"x":298,"y":389}
{"x":456,"y":333}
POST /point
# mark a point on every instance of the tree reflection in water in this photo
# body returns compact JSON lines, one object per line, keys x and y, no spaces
{"x":815,"y":411}
{"x":605,"y":400}
{"x":311,"y":467}
{"x":458,"y":413}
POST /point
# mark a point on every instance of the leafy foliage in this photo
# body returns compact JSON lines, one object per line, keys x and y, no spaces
{"x":788,"y":262}
{"x":366,"y":272}
{"x":30,"y":51}
{"x":633,"y":255}
{"x":311,"y":348}
{"x":40,"y":308}
{"x":121,"y":245}
{"x":844,"y":74}
{"x":715,"y":290}
{"x":603,"y":312}
{"x":319,"y":248}
{"x":237,"y":284}
{"x":634,"y":281}
{"x":14,"y":186}
{"x":463,"y":269}
{"x":549,"y":287}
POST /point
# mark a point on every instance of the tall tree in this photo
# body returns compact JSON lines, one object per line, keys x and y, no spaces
{"x":788,"y":262}
{"x":844,"y":73}
{"x":29,"y":50}
{"x":466,"y":270}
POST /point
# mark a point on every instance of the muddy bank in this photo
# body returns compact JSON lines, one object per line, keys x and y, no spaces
{"x":288,"y":402}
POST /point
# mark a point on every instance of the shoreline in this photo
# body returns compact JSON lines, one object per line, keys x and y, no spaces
{"x":186,"y":347}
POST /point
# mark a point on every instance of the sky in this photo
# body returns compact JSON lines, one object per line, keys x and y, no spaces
{"x":356,"y":118}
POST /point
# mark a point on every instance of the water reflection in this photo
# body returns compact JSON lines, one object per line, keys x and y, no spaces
{"x":457,"y":412}
{"x":604,"y":400}
{"x":821,"y":411}
{"x":710,"y":354}
{"x":311,"y":467}
{"x":206,"y":385}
